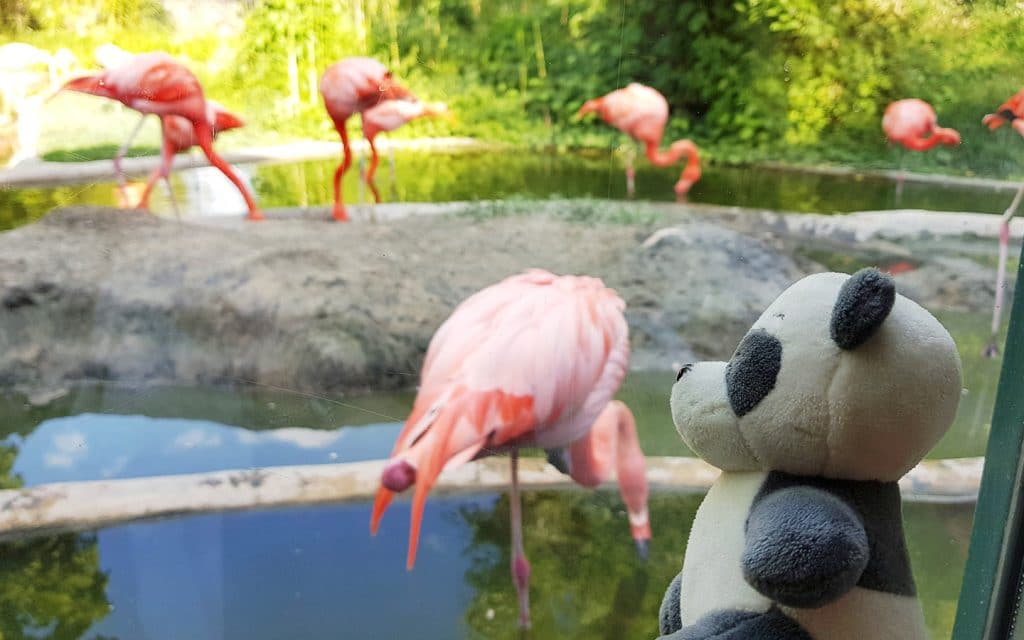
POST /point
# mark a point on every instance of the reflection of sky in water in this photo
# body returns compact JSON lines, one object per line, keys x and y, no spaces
{"x":97,"y":446}
{"x":296,"y":573}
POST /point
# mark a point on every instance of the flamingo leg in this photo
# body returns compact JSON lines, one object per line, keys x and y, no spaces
{"x":394,"y":173}
{"x":630,"y":173}
{"x":166,"y":158}
{"x":362,"y":179}
{"x":339,"y":208}
{"x":902,"y":175}
{"x":172,"y":197}
{"x":520,"y":566}
{"x":372,"y":170}
{"x":119,"y":156}
{"x":204,"y":135}
{"x":612,"y":440}
{"x":992,"y":350}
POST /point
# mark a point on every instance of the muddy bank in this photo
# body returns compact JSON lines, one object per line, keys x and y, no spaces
{"x":297,"y":302}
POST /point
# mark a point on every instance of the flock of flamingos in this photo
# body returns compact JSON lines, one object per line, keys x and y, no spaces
{"x":534,"y":360}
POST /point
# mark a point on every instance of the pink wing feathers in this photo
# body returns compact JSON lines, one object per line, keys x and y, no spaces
{"x":531,"y":360}
{"x":637,"y":110}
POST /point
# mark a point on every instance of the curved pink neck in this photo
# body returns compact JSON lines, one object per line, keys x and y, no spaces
{"x":679,"y":148}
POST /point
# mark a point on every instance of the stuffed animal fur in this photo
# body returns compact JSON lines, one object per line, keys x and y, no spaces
{"x":840,"y":388}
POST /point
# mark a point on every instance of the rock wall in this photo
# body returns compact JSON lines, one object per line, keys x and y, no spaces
{"x":102,"y":294}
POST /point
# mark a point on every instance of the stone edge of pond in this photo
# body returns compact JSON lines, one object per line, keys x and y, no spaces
{"x":80,"y":506}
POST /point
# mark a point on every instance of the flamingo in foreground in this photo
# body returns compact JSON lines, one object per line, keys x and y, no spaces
{"x":388,"y":116}
{"x":157,"y":83}
{"x":179,"y":135}
{"x":531,"y":361}
{"x":1012,"y":112}
{"x":641,"y":113}
{"x":353,"y":86}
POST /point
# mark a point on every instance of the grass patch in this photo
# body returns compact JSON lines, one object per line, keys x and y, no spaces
{"x":97,"y":152}
{"x":582,"y":210}
{"x":847,"y":259}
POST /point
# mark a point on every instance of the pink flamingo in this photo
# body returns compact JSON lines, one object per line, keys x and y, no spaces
{"x":157,"y":83}
{"x":1012,"y":112}
{"x":641,"y":113}
{"x":179,"y":135}
{"x":353,"y":86}
{"x":388,"y":116}
{"x":912,"y":123}
{"x":531,"y":361}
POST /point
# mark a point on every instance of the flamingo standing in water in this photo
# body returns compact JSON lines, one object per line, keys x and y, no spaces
{"x":157,"y":83}
{"x":353,"y":86}
{"x":912,"y":123}
{"x":641,"y":113}
{"x":388,"y":116}
{"x":1012,"y":112}
{"x":531,"y":361}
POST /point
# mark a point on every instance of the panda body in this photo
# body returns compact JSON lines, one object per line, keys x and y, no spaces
{"x":712,"y":577}
{"x":836,"y":391}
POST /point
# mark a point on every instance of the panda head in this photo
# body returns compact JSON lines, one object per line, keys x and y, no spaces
{"x":840,"y":377}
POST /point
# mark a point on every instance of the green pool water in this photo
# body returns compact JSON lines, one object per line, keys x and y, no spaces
{"x":487,"y":175}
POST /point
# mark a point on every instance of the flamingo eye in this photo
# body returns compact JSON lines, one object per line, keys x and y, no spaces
{"x":686,"y":368}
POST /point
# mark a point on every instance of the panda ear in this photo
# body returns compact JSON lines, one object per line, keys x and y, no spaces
{"x":864,"y":302}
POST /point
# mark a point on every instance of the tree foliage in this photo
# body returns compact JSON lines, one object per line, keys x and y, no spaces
{"x":51,"y":588}
{"x":799,"y":80}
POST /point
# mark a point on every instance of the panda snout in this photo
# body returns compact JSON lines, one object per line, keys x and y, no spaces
{"x":686,"y":368}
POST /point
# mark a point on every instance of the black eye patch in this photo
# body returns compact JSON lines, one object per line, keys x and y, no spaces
{"x":752,"y":371}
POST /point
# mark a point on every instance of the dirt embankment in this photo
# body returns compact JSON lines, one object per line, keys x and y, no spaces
{"x":297,"y":302}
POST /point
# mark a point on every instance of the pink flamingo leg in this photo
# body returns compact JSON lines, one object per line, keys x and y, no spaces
{"x":630,"y":176}
{"x":520,"y":566}
{"x":166,"y":158}
{"x":339,"y":208}
{"x":204,"y":135}
{"x":612,"y":440}
{"x":394,"y":178}
{"x":172,"y":197}
{"x":372,"y":171}
{"x":992,"y":350}
{"x":119,"y":156}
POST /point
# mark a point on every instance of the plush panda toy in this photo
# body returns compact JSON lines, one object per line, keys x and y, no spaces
{"x":837,"y":391}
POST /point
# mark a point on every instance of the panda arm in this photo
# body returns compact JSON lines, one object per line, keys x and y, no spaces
{"x":669,"y":617}
{"x":804,"y":547}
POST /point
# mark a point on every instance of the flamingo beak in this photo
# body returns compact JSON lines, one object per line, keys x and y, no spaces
{"x":643,"y":549}
{"x":87,"y":84}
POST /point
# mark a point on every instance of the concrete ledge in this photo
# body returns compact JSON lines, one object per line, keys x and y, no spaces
{"x":78,"y":506}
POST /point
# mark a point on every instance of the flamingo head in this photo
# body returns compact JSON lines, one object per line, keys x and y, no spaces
{"x":398,"y":476}
{"x":94,"y":84}
{"x":391,"y":89}
{"x":225,"y":120}
{"x":691,"y":174}
{"x":590,"y":106}
{"x":995,"y":120}
{"x":949,"y":137}
{"x":438,"y":110}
